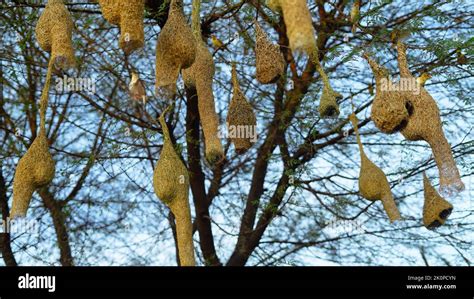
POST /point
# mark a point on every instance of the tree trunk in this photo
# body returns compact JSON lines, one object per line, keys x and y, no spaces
{"x":5,"y":241}
{"x":196,"y":178}
{"x":59,"y":222}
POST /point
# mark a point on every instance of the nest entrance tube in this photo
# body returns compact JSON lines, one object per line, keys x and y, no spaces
{"x":171,"y":185}
{"x":373,"y":184}
{"x":128,"y":15}
{"x":241,"y":120}
{"x":54,"y":34}
{"x":436,"y":209}
{"x":175,"y":50}
{"x":424,"y":123}
{"x":270,"y":63}
{"x":36,"y":168}
{"x":200,"y":76}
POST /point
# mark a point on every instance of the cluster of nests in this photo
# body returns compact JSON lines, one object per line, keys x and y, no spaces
{"x":415,"y":114}
{"x":181,"y":50}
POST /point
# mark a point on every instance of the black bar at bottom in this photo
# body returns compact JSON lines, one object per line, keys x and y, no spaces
{"x":303,"y":282}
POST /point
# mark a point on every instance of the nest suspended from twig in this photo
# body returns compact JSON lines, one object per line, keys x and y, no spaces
{"x":390,"y":109}
{"x":328,"y":106}
{"x":36,"y":168}
{"x":175,"y":50}
{"x":436,"y":209}
{"x":54,"y":34}
{"x":373,"y":184}
{"x":299,"y":24}
{"x":415,"y":114}
{"x":424,"y":123}
{"x":200,"y":76}
{"x":270,"y":63}
{"x":241,"y":118}
{"x":171,"y":185}
{"x":128,"y":15}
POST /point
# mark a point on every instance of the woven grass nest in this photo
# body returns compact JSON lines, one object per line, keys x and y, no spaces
{"x":36,"y":168}
{"x":328,"y":106}
{"x":416,"y":115}
{"x":373,"y":184}
{"x":436,"y":209}
{"x":128,"y":15}
{"x":299,"y":24}
{"x":175,"y":50}
{"x":270,"y":63}
{"x":171,"y":185}
{"x":54,"y":34}
{"x":390,"y":109}
{"x":240,"y":115}
{"x":200,"y":76}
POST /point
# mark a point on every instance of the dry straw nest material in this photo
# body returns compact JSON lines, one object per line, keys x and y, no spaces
{"x":171,"y":184}
{"x":424,"y":123}
{"x":274,"y":5}
{"x":240,"y":117}
{"x":36,"y":168}
{"x":390,"y":108}
{"x":436,"y":209}
{"x":269,"y":59}
{"x":373,"y":184}
{"x":298,"y":21}
{"x":200,"y":76}
{"x":175,"y":50}
{"x":328,"y":106}
{"x":54,"y":33}
{"x":128,"y":15}
{"x":416,"y":115}
{"x":301,"y":35}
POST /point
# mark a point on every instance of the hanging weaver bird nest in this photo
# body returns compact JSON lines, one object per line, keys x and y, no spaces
{"x":415,"y":114}
{"x":54,"y":33}
{"x":424,"y":123}
{"x":373,"y":184}
{"x":390,"y":109}
{"x":436,"y":209}
{"x":171,"y":184}
{"x":328,"y":106}
{"x":269,"y":59}
{"x":175,"y":50}
{"x":128,"y":15}
{"x":299,"y":24}
{"x":200,"y":76}
{"x":36,"y":168}
{"x":240,"y":117}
